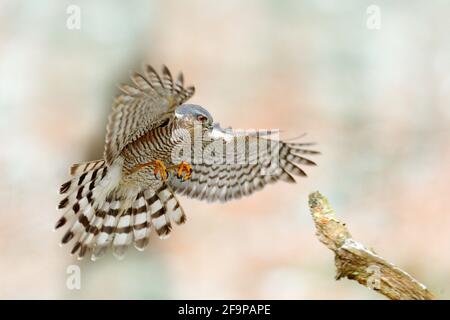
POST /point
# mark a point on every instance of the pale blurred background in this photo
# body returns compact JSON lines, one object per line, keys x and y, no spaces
{"x":377,"y":101}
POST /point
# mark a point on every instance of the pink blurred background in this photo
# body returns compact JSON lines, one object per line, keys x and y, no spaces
{"x":377,"y":101}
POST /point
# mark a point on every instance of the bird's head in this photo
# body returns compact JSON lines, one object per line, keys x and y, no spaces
{"x":191,"y":115}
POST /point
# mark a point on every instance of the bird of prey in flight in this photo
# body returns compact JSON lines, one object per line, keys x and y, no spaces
{"x":158,"y":147}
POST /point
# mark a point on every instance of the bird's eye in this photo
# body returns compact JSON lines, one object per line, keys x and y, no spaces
{"x":201,"y":118}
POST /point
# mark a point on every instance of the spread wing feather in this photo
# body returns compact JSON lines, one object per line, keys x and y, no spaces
{"x":218,"y":178}
{"x":142,"y":106}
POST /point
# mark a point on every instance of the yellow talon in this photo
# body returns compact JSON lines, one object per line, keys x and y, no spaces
{"x":184,"y":167}
{"x":158,"y":167}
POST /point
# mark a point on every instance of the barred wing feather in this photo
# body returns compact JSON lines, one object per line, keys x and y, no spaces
{"x":224,"y":176}
{"x":143,"y":106}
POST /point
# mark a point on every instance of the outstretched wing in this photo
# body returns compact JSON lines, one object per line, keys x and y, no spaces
{"x":142,"y":107}
{"x":246,"y":164}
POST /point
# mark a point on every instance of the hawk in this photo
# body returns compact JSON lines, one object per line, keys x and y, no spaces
{"x":118,"y":200}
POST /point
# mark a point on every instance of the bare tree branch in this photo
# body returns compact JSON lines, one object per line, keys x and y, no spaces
{"x":354,"y":261}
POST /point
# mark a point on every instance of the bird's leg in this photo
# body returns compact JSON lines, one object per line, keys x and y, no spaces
{"x":180,"y":169}
{"x":184,"y":167}
{"x":158,"y":167}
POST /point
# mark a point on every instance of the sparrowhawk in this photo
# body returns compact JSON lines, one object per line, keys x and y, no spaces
{"x":156,"y":147}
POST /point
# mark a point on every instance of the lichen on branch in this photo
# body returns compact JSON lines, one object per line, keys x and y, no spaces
{"x":356,"y":262}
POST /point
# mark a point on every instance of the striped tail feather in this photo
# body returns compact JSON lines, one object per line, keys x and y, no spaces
{"x":141,"y":222}
{"x":79,"y":168}
{"x":105,"y":233}
{"x":123,"y":234}
{"x":131,"y":221}
{"x":102,"y":215}
{"x":164,"y":207}
{"x":79,"y":191}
